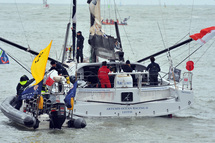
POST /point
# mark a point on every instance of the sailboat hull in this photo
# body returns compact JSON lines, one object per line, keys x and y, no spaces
{"x":154,"y":101}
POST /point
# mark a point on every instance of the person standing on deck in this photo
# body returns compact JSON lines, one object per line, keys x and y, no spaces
{"x":103,"y":75}
{"x":153,"y":69}
{"x":80,"y":46}
{"x":127,"y":67}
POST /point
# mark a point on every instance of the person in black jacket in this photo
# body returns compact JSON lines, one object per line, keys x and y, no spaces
{"x":127,"y":67}
{"x":59,"y":68}
{"x":153,"y":69}
{"x":24,"y":82}
{"x":80,"y":46}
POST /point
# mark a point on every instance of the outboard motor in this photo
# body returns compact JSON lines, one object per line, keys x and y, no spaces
{"x":57,"y":116}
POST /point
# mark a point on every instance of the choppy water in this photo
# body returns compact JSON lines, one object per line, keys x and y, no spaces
{"x":36,"y":26}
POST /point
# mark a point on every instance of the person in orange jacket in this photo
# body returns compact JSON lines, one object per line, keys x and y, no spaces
{"x":103,"y":75}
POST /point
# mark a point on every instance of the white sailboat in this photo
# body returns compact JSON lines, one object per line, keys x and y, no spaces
{"x":127,"y":97}
{"x":130,"y":97}
{"x":131,"y":94}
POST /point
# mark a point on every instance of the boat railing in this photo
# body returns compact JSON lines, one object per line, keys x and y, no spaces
{"x":58,"y":88}
{"x":187,"y":80}
{"x":118,"y":80}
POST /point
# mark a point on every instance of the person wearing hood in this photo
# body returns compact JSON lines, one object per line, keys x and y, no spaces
{"x":80,"y":46}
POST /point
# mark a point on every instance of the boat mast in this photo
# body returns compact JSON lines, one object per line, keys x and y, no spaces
{"x":117,"y":34}
{"x":65,"y":42}
{"x":92,"y":20}
{"x":73,"y":30}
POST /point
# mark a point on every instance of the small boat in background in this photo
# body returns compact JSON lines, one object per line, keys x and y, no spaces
{"x":45,"y":4}
{"x":111,"y":22}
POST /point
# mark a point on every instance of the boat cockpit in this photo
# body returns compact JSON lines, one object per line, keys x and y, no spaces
{"x":87,"y":75}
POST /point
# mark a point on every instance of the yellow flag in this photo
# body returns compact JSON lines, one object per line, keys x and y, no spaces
{"x":38,"y":66}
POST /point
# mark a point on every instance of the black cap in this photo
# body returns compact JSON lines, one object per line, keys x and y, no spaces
{"x":53,"y":62}
{"x":79,"y":32}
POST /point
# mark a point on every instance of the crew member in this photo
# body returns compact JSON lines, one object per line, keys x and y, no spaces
{"x":127,"y":67}
{"x":153,"y":69}
{"x":60,"y":69}
{"x":103,"y":75}
{"x":44,"y":92}
{"x":24,"y":82}
{"x":80,"y":46}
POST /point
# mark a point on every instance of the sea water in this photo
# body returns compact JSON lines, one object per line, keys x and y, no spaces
{"x":149,"y":30}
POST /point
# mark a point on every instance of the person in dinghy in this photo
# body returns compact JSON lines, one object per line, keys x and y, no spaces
{"x":24,"y":82}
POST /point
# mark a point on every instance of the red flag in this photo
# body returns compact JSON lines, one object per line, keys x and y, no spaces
{"x":50,"y":80}
{"x":204,"y":35}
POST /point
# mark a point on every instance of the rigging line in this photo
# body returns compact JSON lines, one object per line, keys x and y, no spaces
{"x":185,"y":58}
{"x":126,"y":33}
{"x":168,"y":53}
{"x":109,"y":13}
{"x":177,"y":49}
{"x":182,"y":38}
{"x":70,"y":19}
{"x":17,"y":61}
{"x":115,"y":10}
{"x":70,"y":11}
{"x":188,"y":56}
{"x":162,"y":36}
{"x":22,"y":25}
{"x":23,"y":29}
{"x":204,"y":52}
{"x":178,"y":55}
{"x":191,"y":15}
{"x":162,"y":17}
{"x":104,"y":5}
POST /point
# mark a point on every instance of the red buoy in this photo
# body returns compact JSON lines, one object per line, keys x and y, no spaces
{"x":190,"y":65}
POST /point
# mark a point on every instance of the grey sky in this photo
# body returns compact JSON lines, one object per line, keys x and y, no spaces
{"x":123,"y":2}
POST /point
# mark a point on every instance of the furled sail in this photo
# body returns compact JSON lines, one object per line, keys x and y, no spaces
{"x":102,"y":45}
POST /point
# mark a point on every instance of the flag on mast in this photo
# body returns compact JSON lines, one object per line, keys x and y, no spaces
{"x":3,"y":57}
{"x":204,"y":36}
{"x":38,"y":66}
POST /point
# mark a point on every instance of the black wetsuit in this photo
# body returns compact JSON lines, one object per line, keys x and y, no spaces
{"x":80,"y":44}
{"x":153,"y":69}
